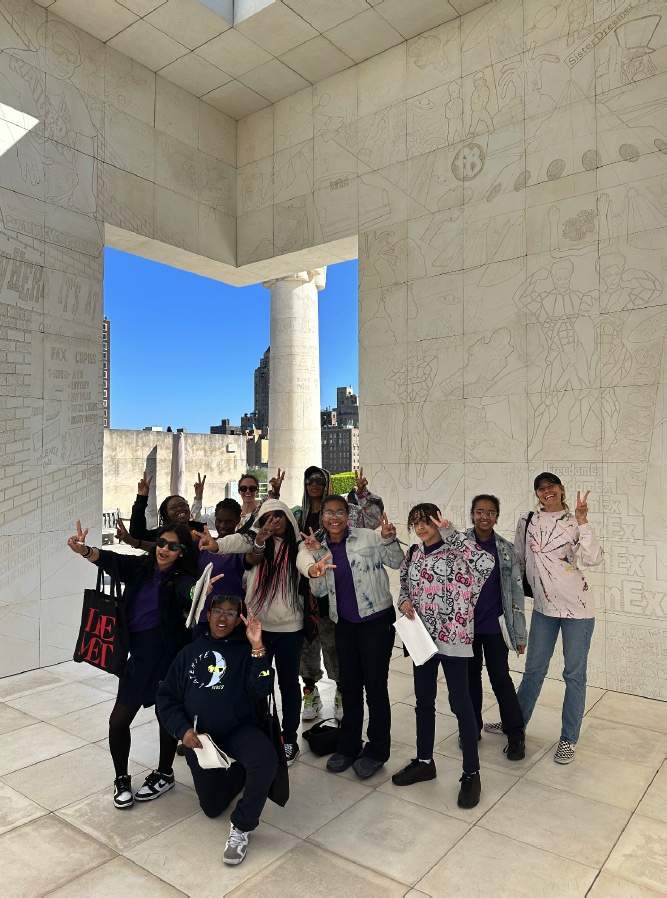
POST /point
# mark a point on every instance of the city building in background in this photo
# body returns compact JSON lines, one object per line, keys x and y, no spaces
{"x":226,"y":427}
{"x":347,"y":408}
{"x":106,"y":372}
{"x":261,"y":411}
{"x":328,"y":417}
{"x":340,"y":449}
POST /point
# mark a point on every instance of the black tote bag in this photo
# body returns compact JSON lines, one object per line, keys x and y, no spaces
{"x":103,"y":639}
{"x":269,"y":722}
{"x":527,"y":588}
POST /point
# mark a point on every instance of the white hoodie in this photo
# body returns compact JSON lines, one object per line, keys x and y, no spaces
{"x":282,"y":614}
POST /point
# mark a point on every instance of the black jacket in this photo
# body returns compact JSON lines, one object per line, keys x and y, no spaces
{"x":138,"y":521}
{"x":218,"y":681}
{"x":174,"y":596}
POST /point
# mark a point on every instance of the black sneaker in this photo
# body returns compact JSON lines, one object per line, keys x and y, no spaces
{"x":415,"y":772}
{"x":365,"y":766}
{"x":471,"y":788}
{"x":155,"y":784}
{"x":291,"y":752}
{"x":180,"y":750}
{"x":122,"y":792}
{"x":338,"y":763}
{"x":515,"y":749}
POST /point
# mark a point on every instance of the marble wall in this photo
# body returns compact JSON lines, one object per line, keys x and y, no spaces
{"x":88,"y":138}
{"x":506,"y":174}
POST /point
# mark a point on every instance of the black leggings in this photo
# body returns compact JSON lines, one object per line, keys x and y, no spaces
{"x":119,"y":740}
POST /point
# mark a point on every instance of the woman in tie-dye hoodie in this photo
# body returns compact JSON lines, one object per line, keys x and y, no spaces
{"x":441,"y":579}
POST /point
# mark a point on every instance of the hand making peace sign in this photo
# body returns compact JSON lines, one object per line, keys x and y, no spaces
{"x":77,"y":543}
{"x":320,"y":567}
{"x":361,"y":483}
{"x":277,"y":482}
{"x":581,"y":508}
{"x":199,"y":486}
{"x":387,"y":531}
{"x":310,"y":541}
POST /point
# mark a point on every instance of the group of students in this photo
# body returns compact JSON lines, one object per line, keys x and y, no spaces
{"x":289,"y":586}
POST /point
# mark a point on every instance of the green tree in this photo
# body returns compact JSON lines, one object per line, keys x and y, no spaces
{"x":342,"y":483}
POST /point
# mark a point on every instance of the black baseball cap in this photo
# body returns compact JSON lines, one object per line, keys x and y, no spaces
{"x":546,"y":477}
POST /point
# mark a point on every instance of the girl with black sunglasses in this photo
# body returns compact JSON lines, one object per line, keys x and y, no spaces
{"x":156,"y":600}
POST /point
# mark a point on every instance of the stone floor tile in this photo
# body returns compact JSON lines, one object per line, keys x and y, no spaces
{"x":32,"y":744}
{"x":189,"y":855}
{"x":654,"y":803}
{"x":629,"y":743}
{"x":632,"y":710}
{"x":404,"y":727}
{"x":415,"y":893}
{"x":608,"y":886}
{"x":640,"y":855}
{"x":11,"y":719}
{"x":123,"y":830}
{"x":28,"y":682}
{"x":376,"y":829}
{"x":116,"y":877}
{"x":104,"y":681}
{"x":60,"y":700}
{"x":491,"y":752}
{"x":16,"y":809}
{"x":483,"y":860}
{"x":309,"y":871}
{"x":553,"y":692}
{"x":401,"y":664}
{"x":595,"y":776}
{"x":441,"y":793}
{"x":401,"y":687}
{"x":577,"y":828}
{"x":69,"y":777}
{"x":92,"y":723}
{"x":316,"y":797}
{"x":44,"y":855}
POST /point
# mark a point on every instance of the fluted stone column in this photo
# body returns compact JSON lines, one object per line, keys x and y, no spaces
{"x":294,"y":391}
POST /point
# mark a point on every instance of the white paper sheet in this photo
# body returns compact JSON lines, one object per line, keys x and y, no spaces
{"x":199,"y":596}
{"x":209,"y":756}
{"x":416,"y":639}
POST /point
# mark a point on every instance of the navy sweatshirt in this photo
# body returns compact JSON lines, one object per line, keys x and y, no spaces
{"x":217,"y":680}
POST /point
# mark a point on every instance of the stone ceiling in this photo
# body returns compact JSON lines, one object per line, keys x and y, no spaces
{"x":273,"y":49}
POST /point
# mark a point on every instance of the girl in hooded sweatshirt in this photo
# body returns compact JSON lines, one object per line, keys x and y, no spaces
{"x":276,"y":558}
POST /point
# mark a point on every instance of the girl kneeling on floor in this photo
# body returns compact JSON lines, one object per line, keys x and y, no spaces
{"x":441,"y":579}
{"x":216,"y":686}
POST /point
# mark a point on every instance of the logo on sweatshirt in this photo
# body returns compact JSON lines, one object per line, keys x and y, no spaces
{"x":207,"y":670}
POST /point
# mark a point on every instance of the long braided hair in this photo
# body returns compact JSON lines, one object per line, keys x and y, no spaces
{"x":278,"y":574}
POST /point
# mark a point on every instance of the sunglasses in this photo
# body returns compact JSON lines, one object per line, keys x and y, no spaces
{"x":247,"y":489}
{"x":173,"y":547}
{"x":276,"y":515}
{"x":316,"y":481}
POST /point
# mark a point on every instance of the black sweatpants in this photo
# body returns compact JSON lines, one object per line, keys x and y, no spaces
{"x":495,"y":656}
{"x":364,"y":652}
{"x":255,"y":768}
{"x":285,"y":650}
{"x":426,"y":689}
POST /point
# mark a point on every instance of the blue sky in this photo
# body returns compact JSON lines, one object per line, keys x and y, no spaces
{"x":184,"y":348}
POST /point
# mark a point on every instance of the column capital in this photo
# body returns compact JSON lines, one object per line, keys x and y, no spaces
{"x":317,"y":276}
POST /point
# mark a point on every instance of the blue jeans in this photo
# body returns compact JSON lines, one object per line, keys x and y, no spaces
{"x":576,"y":636}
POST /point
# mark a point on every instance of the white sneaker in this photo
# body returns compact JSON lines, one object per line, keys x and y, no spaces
{"x":496,"y":729}
{"x":155,"y":784}
{"x":236,"y":846}
{"x":338,"y":705}
{"x":565,"y":752}
{"x":312,"y":704}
